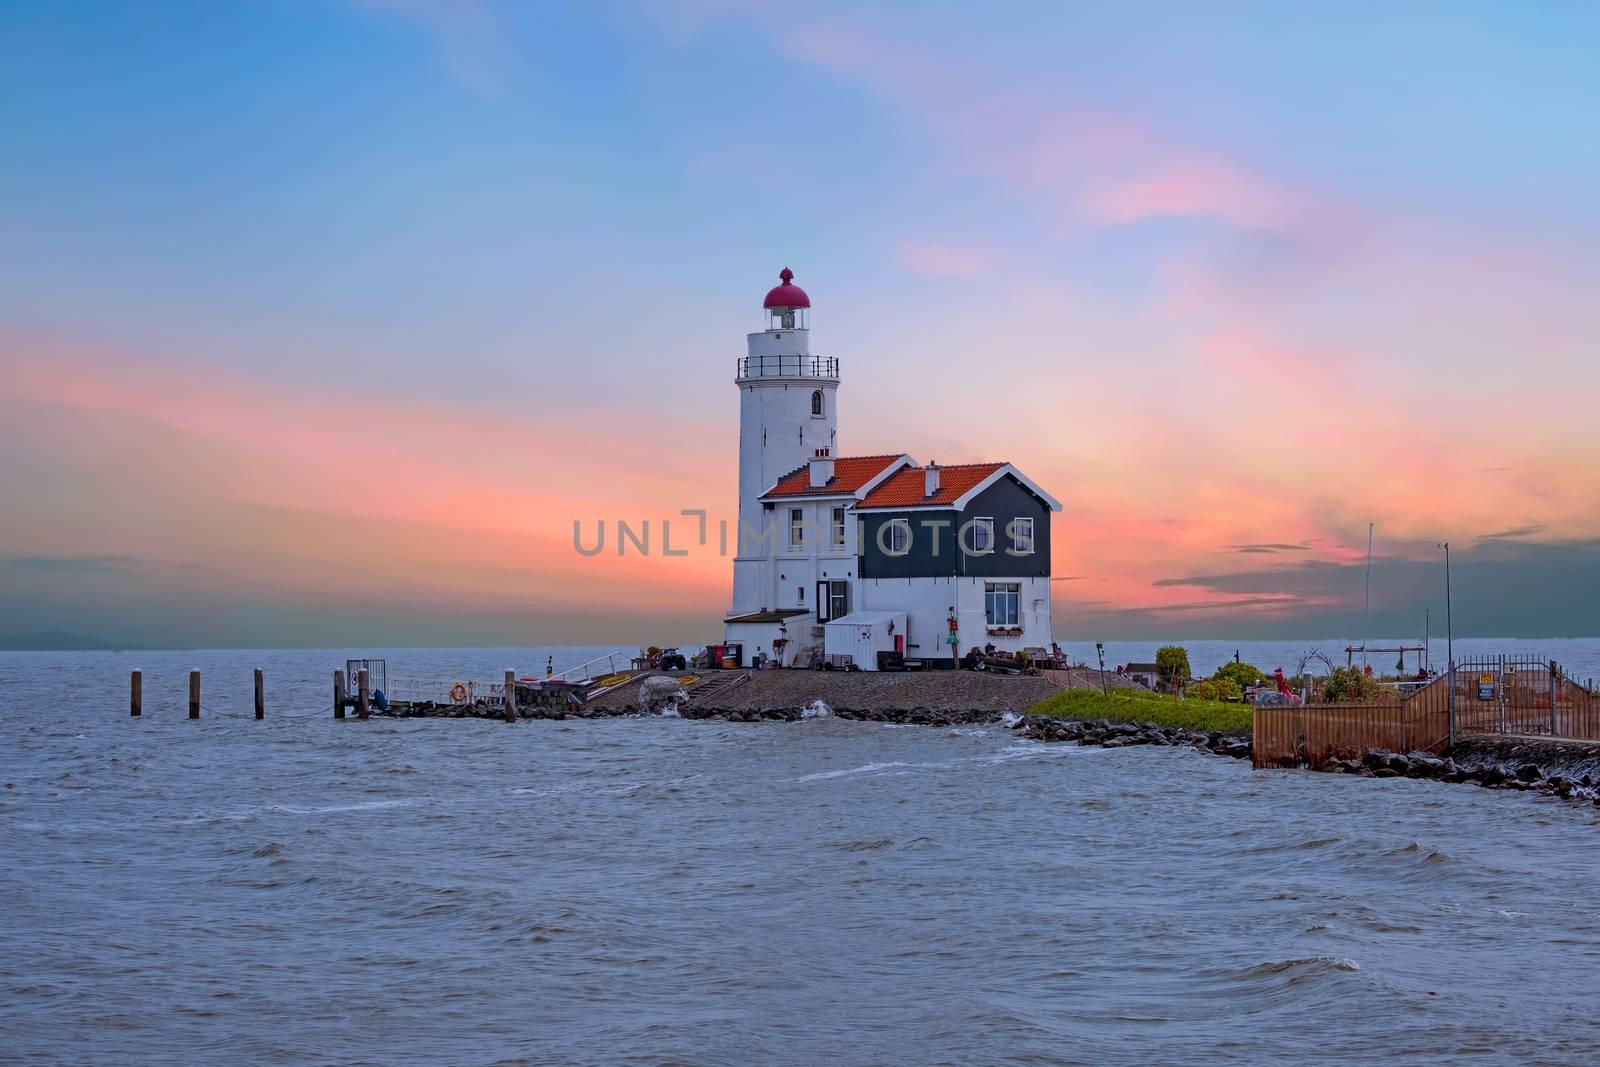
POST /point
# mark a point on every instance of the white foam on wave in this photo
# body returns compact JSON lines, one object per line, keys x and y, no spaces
{"x":334,"y":809}
{"x":866,"y":768}
{"x":817,"y":709}
{"x":1010,"y":719}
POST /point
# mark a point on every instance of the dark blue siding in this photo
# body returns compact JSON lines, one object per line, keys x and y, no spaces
{"x":1003,"y":501}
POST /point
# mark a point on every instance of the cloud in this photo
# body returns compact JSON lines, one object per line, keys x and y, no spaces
{"x":1196,"y":187}
{"x":1514,"y":533}
{"x":69,"y":564}
{"x":942,"y":260}
{"x":1268,"y":548}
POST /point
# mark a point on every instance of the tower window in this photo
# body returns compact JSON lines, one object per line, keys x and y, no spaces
{"x":816,"y":402}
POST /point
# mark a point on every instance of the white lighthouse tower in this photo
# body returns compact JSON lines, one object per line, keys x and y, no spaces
{"x":787,"y":417}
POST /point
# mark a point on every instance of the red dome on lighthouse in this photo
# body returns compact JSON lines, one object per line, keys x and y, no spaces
{"x":787,"y":295}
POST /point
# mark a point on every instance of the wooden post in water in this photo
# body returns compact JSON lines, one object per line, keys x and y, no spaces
{"x":338,"y":693}
{"x":363,"y":696}
{"x":261,"y":695}
{"x":511,"y":696}
{"x":136,"y":693}
{"x":194,"y":694}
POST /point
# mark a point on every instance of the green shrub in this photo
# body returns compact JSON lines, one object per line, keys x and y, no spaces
{"x":1351,"y":685}
{"x":1172,"y":663}
{"x":1242,"y":675}
{"x":1220,"y":689}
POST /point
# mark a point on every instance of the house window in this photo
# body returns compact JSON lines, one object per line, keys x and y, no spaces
{"x":1022,"y":537}
{"x":800,"y":591}
{"x":1000,"y":603}
{"x":982,"y":536}
{"x":816,"y":403}
{"x":838,"y":528}
{"x":895,"y":537}
{"x":833,"y":599}
{"x":797,"y":528}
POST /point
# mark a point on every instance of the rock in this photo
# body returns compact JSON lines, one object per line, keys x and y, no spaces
{"x":1376,"y":757}
{"x":1399,"y":764}
{"x":1385,"y":772}
{"x":1426,"y":764}
{"x":1529,"y":773}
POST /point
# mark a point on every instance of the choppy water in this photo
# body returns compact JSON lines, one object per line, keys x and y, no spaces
{"x":654,"y":891}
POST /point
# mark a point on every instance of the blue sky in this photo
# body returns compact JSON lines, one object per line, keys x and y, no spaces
{"x":1155,"y":215}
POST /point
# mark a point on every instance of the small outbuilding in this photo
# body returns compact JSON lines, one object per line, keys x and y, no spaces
{"x":868,"y":640}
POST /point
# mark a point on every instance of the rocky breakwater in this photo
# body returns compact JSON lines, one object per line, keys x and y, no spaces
{"x":1108,"y":734}
{"x":1566,"y":769}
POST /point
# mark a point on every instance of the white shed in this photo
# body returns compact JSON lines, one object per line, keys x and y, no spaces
{"x":861,"y":635}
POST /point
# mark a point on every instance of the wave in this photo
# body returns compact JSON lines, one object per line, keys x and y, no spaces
{"x":817,"y":709}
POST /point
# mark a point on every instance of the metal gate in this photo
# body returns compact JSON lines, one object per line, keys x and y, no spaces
{"x":1521,"y":695}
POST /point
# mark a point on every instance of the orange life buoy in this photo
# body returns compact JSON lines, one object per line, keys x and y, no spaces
{"x":458,"y":693}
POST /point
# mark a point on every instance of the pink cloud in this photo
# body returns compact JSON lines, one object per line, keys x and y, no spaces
{"x":938,"y":259}
{"x":1195,"y":187}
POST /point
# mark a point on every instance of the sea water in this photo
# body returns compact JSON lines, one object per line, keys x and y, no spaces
{"x":655,"y":890}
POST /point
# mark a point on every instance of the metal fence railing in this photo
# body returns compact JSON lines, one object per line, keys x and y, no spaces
{"x":1522,"y":695}
{"x":793,"y":366}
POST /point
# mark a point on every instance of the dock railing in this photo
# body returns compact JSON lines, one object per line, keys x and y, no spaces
{"x":599,"y":667}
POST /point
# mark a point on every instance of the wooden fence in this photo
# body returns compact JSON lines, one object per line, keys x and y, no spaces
{"x":1316,"y":733}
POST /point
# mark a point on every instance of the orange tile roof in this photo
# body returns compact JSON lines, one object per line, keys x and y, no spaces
{"x":904,"y":489}
{"x":850,"y":473}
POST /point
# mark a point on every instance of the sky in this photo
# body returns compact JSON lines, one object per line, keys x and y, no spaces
{"x":323,"y":322}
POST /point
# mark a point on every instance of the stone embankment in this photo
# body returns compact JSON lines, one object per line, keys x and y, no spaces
{"x":1568,"y":769}
{"x":931,"y":698}
{"x":1108,"y":734}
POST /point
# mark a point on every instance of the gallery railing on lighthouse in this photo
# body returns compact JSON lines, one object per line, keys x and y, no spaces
{"x":776,"y":366}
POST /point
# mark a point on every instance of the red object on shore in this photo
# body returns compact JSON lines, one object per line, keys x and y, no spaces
{"x":787,"y":295}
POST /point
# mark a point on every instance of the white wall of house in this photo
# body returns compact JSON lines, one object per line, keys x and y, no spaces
{"x":926,"y":603}
{"x":758,"y":637}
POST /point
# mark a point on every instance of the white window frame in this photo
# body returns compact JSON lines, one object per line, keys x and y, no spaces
{"x":837,"y":520}
{"x":1018,"y":539}
{"x":982,"y":535}
{"x":797,"y":527}
{"x":838,"y":592}
{"x":819,"y":404}
{"x":1012,"y":594}
{"x":899,"y":539}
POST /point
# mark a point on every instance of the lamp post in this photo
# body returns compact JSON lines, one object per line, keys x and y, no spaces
{"x":1449,"y":645}
{"x":1100,"y":650}
{"x":1449,"y":628}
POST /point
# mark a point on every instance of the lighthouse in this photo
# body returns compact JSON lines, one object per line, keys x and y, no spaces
{"x":788,"y":418}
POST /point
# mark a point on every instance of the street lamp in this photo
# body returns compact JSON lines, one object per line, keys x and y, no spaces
{"x":1449,"y":629}
{"x":1449,"y":648}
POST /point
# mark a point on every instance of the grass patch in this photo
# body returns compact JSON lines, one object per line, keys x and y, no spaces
{"x":1126,"y":706}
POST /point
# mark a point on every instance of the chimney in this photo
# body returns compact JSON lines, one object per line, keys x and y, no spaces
{"x":821,"y":469}
{"x":930,"y":479}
